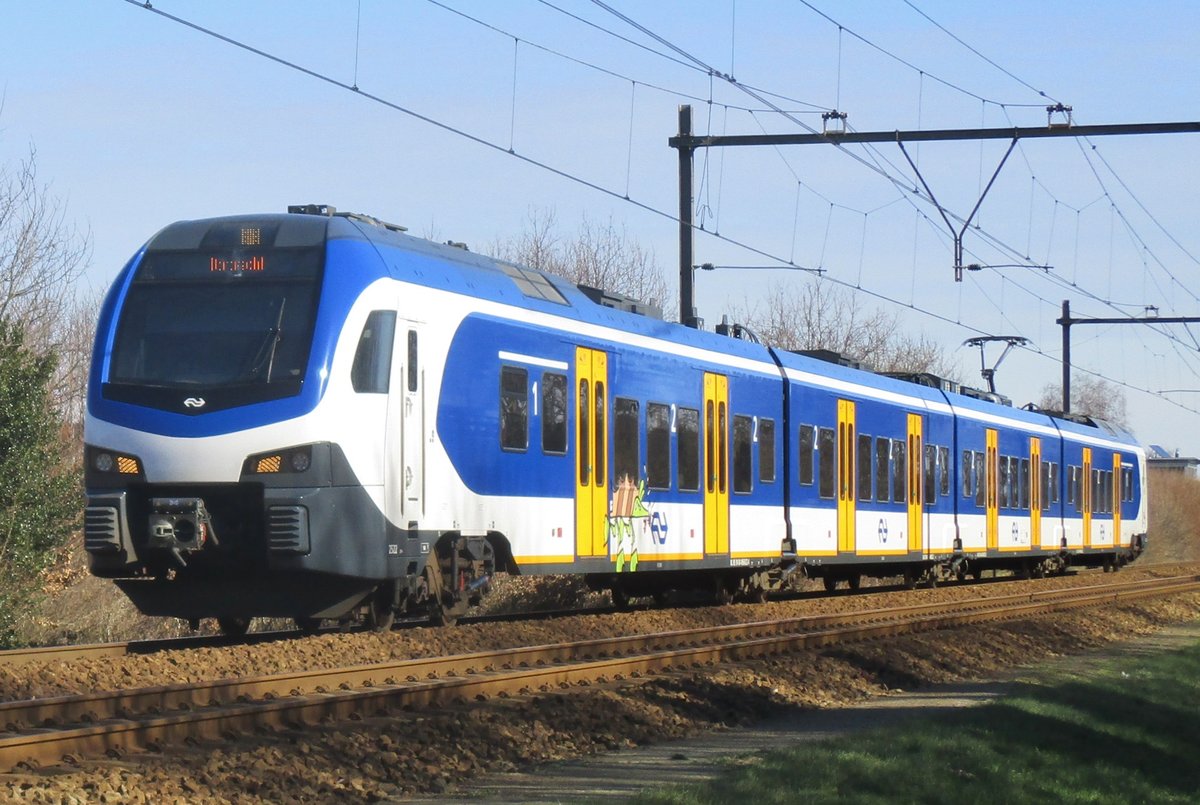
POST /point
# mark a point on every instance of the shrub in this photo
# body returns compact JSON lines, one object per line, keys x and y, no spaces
{"x":39,"y":484}
{"x":1174,"y":517}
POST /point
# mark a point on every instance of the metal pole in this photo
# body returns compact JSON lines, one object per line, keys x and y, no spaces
{"x":687,"y":308}
{"x":1065,"y":321}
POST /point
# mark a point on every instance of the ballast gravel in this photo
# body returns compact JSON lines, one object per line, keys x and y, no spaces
{"x":430,"y":751}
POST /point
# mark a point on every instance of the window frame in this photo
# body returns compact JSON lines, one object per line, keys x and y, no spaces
{"x":522,"y":403}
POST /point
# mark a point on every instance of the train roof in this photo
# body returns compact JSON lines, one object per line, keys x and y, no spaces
{"x":454,"y":267}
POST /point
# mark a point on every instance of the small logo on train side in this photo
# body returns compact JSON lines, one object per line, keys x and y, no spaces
{"x":194,"y":402}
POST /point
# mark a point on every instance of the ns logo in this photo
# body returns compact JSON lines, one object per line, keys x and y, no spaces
{"x":194,"y":402}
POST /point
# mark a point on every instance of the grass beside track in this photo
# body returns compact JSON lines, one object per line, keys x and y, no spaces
{"x":1124,"y":731}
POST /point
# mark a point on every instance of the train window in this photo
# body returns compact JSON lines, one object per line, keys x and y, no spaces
{"x":413,"y":366}
{"x":722,"y":447}
{"x":1045,"y":476}
{"x":514,"y":408}
{"x":600,"y":431}
{"x":1108,"y":491}
{"x":804,"y":458}
{"x":883,"y":451}
{"x":1024,"y":486}
{"x":743,"y":460}
{"x":981,"y":479}
{"x":929,"y":468}
{"x":1014,"y":480}
{"x":585,"y":433}
{"x":1126,"y":484}
{"x":766,"y":450}
{"x":625,"y":440}
{"x":1052,"y":475}
{"x":1070,"y":483}
{"x":687,"y":427}
{"x":658,"y":446}
{"x":899,"y":471}
{"x":710,"y":476}
{"x":968,"y":464}
{"x":1014,"y":475}
{"x":943,"y":460}
{"x":554,"y":413}
{"x":826,"y":452}
{"x":864,"y":467}
{"x":1005,"y":484}
{"x":1096,"y":500}
{"x":372,"y":365}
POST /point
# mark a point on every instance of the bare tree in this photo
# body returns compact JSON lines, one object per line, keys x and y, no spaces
{"x":822,"y":316}
{"x":601,"y":255}
{"x":42,"y":256}
{"x":1091,"y":396}
{"x":74,"y":337}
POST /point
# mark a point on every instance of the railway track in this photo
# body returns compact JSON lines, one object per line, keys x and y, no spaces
{"x":71,"y":653}
{"x":49,"y":731}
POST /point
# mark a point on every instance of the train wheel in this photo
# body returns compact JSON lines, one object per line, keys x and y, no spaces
{"x":620,"y":598}
{"x":855,"y":581}
{"x":661,"y":597}
{"x":234,"y":626}
{"x":380,"y":613}
{"x":830,"y":583}
{"x":722,"y":594}
{"x":441,"y":615}
{"x":308,"y":625}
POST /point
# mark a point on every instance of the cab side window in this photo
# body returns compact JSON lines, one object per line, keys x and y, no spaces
{"x":372,"y":366}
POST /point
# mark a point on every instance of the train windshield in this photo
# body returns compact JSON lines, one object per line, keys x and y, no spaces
{"x":237,"y":322}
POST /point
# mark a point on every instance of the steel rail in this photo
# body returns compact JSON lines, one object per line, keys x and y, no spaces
{"x":546,"y":668}
{"x":70,"y":653}
{"x":94,"y":707}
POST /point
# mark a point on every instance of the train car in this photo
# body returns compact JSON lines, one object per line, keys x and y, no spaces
{"x":314,"y":415}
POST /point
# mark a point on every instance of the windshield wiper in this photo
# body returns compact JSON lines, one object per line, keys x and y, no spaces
{"x":265,"y":354}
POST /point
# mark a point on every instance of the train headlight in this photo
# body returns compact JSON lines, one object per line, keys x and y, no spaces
{"x":291,"y":460}
{"x":300,"y":460}
{"x":108,"y":466}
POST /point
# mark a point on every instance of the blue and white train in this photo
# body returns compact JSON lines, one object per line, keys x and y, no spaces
{"x":313,"y":415}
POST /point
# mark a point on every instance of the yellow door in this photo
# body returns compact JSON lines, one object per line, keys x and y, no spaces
{"x":1116,"y":500}
{"x":916,"y":491}
{"x":992,"y":473}
{"x":591,"y":445}
{"x":846,"y":477}
{"x":1035,"y":492}
{"x":716,"y":464}
{"x":1085,"y":495}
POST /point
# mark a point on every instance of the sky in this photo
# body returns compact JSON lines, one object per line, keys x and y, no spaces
{"x":471,"y":117}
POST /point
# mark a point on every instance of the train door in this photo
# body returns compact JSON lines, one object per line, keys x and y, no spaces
{"x":387,"y":362}
{"x":1115,"y":493}
{"x":716,"y":464}
{"x":1085,"y":496}
{"x":1035,"y":492}
{"x":413,"y":416}
{"x":846,"y":477}
{"x":916,"y":491}
{"x":992,"y":479}
{"x":591,"y":448}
